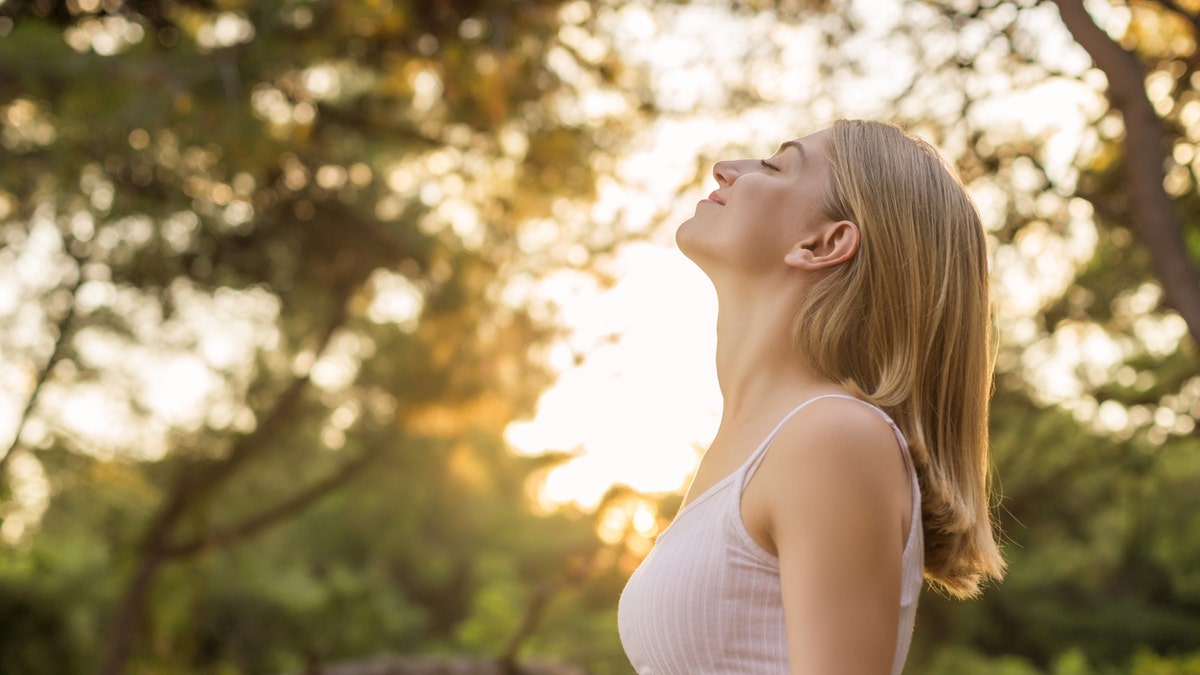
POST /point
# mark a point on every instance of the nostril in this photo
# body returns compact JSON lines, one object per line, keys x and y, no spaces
{"x":724,"y":174}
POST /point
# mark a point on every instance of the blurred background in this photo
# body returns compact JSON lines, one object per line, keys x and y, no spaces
{"x":340,"y":333}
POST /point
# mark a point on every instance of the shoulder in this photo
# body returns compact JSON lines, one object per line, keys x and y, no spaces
{"x":837,"y":433}
{"x":836,"y":460}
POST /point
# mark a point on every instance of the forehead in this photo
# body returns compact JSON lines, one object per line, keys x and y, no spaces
{"x":811,"y":145}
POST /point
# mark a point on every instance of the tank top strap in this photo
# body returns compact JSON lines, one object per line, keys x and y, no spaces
{"x":892,"y":423}
{"x":756,"y":458}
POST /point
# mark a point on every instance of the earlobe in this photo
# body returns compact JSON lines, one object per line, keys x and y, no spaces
{"x":833,"y":244}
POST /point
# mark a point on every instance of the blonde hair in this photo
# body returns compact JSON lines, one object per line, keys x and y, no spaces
{"x":905,"y":324}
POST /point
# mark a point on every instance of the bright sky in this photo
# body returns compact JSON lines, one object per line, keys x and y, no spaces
{"x":640,"y":409}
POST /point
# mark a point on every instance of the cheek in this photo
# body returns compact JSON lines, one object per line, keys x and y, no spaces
{"x":752,"y":232}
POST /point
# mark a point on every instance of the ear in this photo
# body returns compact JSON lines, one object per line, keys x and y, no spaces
{"x":832,"y":244}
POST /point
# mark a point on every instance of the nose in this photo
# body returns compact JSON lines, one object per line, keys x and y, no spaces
{"x":729,"y":170}
{"x":726,"y":172}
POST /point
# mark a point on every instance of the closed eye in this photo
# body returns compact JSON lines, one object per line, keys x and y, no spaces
{"x":768,"y":165}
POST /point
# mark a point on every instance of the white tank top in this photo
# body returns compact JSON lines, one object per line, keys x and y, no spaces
{"x":707,"y":599}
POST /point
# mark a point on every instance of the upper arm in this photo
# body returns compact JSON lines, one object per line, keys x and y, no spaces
{"x":834,"y":502}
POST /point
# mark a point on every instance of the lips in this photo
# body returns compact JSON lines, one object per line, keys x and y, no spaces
{"x":714,"y":197}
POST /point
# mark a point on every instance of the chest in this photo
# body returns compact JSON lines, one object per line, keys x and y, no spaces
{"x":706,"y":599}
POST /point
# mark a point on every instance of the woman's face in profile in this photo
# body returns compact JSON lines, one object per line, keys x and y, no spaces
{"x":760,"y":209}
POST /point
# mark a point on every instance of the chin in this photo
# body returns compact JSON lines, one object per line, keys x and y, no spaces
{"x":693,"y":247}
{"x":685,"y":238}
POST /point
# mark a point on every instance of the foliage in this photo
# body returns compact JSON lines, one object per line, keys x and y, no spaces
{"x":266,"y":313}
{"x":266,"y":264}
{"x":1095,"y":549}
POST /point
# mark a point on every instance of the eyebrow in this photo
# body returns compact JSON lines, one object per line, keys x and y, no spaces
{"x":791,"y":144}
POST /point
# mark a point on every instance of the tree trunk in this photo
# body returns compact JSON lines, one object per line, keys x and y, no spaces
{"x":196,"y":483}
{"x":125,"y":622}
{"x":131,"y":610}
{"x":1154,"y":213}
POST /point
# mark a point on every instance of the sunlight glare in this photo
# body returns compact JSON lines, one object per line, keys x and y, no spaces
{"x":177,"y":392}
{"x":637,"y":410}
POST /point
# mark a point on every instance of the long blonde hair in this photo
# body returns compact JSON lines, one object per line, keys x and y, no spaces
{"x":906,"y":325}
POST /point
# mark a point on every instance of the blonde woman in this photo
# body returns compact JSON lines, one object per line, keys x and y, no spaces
{"x":851,"y":460}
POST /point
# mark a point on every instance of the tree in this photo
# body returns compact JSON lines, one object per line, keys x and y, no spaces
{"x":312,"y":216}
{"x":1150,"y":136}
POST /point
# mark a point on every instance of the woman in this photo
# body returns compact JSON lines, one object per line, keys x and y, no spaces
{"x":854,"y":363}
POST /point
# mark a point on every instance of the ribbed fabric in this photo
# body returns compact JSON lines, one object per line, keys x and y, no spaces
{"x":707,"y":599}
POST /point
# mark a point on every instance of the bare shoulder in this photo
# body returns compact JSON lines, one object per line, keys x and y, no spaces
{"x":836,"y":434}
{"x":836,"y":460}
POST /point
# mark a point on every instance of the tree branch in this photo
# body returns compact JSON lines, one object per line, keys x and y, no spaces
{"x":247,"y":446}
{"x":63,"y":326}
{"x":190,"y":489}
{"x":283,"y":510}
{"x":529,"y":621}
{"x":1154,"y":213}
{"x":580,"y":570}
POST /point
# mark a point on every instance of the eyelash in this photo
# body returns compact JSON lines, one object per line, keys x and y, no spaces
{"x":768,"y":165}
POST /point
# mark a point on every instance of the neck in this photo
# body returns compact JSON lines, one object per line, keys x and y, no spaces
{"x":758,"y":368}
